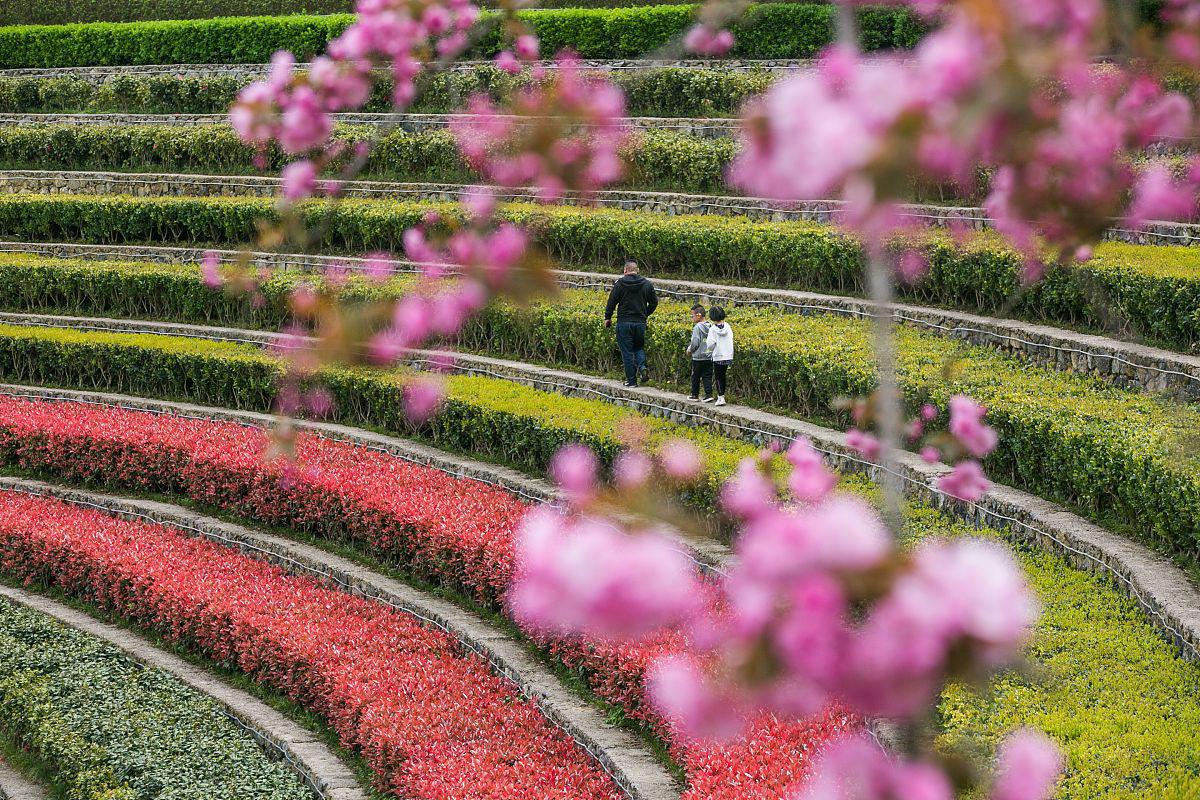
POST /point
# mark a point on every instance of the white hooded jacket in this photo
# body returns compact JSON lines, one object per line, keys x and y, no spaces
{"x":720,"y":341}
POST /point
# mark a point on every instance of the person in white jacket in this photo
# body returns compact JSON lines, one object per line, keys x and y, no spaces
{"x":720,"y":344}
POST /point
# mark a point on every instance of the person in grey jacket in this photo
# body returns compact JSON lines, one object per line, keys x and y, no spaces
{"x":702,"y":364}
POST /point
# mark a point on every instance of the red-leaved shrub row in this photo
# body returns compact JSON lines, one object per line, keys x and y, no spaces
{"x":431,"y":723}
{"x":453,"y":531}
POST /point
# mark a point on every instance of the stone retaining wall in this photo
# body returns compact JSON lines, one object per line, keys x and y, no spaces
{"x":252,"y":71}
{"x":1125,"y":364}
{"x":620,"y":753}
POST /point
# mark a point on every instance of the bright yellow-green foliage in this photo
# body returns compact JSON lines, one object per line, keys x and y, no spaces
{"x":1120,"y":702}
{"x":1160,"y":303}
{"x":1115,"y":452}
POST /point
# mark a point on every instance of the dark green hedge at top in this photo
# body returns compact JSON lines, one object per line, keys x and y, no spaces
{"x":770,"y":31}
{"x":108,"y":728}
{"x":657,"y":159}
{"x":61,"y":12}
{"x":1155,"y":291}
{"x":652,"y":92}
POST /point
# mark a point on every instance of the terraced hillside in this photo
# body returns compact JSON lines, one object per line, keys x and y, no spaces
{"x":183,"y":613}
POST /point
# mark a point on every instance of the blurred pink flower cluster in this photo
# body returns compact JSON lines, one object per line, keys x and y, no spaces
{"x":820,"y":605}
{"x":561,"y":134}
{"x":1009,"y":87}
{"x":295,"y":109}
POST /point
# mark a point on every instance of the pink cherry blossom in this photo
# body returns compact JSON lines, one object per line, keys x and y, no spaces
{"x":299,"y":180}
{"x":681,"y":459}
{"x":576,"y":470}
{"x":703,"y":40}
{"x":584,"y":576}
{"x":966,"y":481}
{"x":680,"y":691}
{"x":422,"y":397}
{"x":966,"y":424}
{"x":867,"y":445}
{"x":210,"y":270}
{"x":1028,"y":767}
{"x":810,"y":480}
{"x":631,"y":470}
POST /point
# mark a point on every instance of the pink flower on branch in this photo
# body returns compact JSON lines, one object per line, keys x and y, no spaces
{"x":584,"y":576}
{"x":564,"y":134}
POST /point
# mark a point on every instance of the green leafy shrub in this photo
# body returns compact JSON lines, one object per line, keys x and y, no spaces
{"x":497,"y":419}
{"x":60,"y":12}
{"x":1152,"y":292}
{"x":657,"y":158}
{"x":1113,"y":452}
{"x":771,"y":31}
{"x":652,"y":92}
{"x":111,"y":729}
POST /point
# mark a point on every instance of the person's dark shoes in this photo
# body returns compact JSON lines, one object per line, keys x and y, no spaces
{"x":708,"y":399}
{"x":629,"y":385}
{"x":643,"y":374}
{"x":694,"y":397}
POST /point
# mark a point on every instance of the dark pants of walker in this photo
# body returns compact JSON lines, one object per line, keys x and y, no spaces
{"x":702,"y":371}
{"x":631,"y":341}
{"x":721,"y":370}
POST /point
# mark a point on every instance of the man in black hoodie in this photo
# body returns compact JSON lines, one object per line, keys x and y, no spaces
{"x":633,"y":298}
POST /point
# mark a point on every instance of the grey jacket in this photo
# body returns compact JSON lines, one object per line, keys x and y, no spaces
{"x":698,"y":347}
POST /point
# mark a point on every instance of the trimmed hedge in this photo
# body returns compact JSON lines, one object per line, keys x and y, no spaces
{"x":1114,"y":453}
{"x":652,"y":92}
{"x":110,"y":729}
{"x":769,"y":31}
{"x":494,"y":418}
{"x":1148,"y":291}
{"x":61,"y":12}
{"x":657,"y":159}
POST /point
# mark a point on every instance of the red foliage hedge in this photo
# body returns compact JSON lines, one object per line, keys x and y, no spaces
{"x":451,"y":531}
{"x":432,"y":724}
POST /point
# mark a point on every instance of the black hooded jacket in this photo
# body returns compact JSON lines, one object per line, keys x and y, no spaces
{"x":633,"y":298}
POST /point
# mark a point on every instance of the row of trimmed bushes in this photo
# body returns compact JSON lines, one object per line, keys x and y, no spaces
{"x":107,"y":728}
{"x":656,"y":159}
{"x":494,"y":418}
{"x":652,"y":92}
{"x":62,"y":12}
{"x":1068,"y":437}
{"x":1153,"y":291}
{"x":1096,"y":645}
{"x":785,"y":30}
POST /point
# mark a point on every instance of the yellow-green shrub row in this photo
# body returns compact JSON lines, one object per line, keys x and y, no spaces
{"x":497,"y":419}
{"x":1156,"y":290}
{"x":1116,"y":453}
{"x":1120,"y":701}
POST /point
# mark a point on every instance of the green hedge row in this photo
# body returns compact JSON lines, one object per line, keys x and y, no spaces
{"x":496,"y":419}
{"x":1094,"y":645}
{"x":110,"y":729}
{"x":1113,"y":452}
{"x":657,"y":159}
{"x":766,"y":31}
{"x":62,"y":12}
{"x":652,"y":92}
{"x":1153,"y":292}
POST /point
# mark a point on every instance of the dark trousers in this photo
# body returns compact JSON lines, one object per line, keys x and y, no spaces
{"x":631,"y":341}
{"x":702,"y":371}
{"x":721,"y":370}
